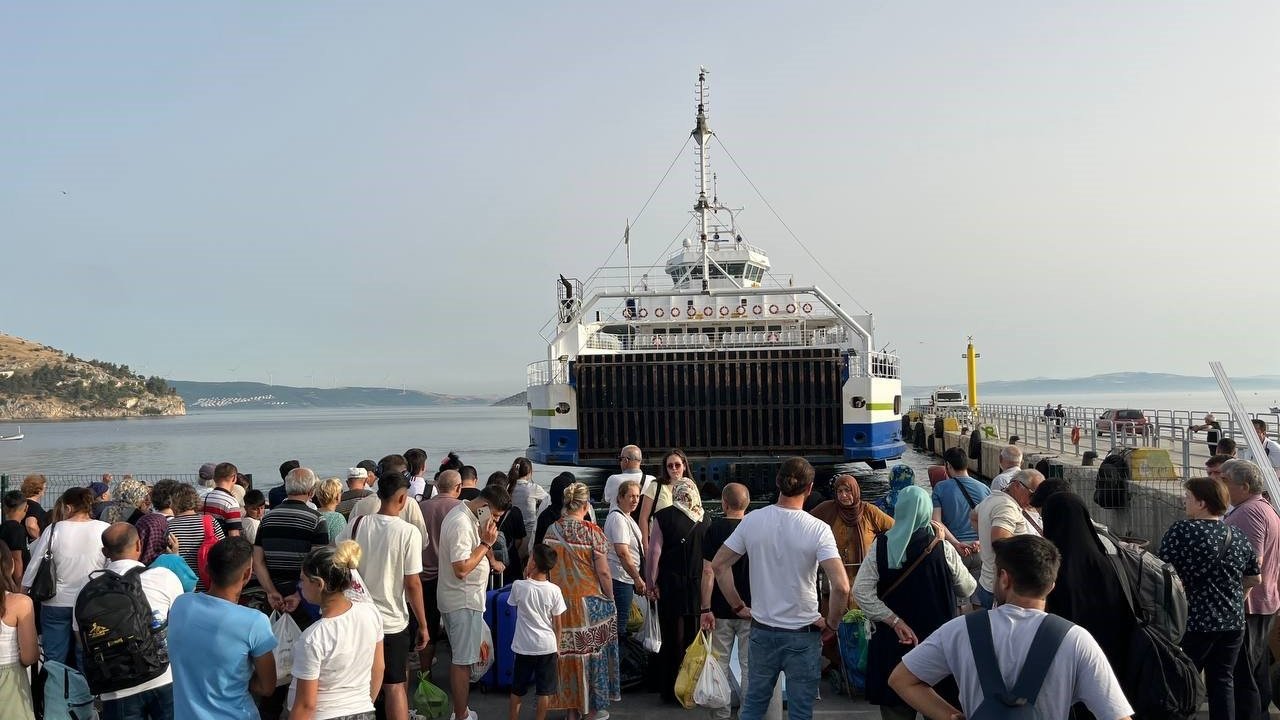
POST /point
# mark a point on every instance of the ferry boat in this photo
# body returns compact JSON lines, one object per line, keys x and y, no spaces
{"x":714,"y":354}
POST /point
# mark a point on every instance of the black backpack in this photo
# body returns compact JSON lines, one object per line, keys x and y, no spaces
{"x":1018,"y":702}
{"x":123,"y":645}
{"x":1111,"y":490}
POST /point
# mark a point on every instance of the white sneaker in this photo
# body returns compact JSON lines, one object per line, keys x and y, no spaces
{"x":471,"y":715}
{"x":602,"y":715}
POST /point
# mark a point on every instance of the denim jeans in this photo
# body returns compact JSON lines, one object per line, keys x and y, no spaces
{"x":1215,"y":653}
{"x":799,"y":655}
{"x":623,"y":595}
{"x":55,"y":634}
{"x":723,"y":637}
{"x":154,"y":704}
{"x":983,"y":597}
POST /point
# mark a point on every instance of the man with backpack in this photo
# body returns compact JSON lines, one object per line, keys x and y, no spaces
{"x":127,"y":600}
{"x":1015,"y":661}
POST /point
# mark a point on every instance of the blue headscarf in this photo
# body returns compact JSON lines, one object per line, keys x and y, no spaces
{"x":900,"y":477}
{"x":913,"y":511}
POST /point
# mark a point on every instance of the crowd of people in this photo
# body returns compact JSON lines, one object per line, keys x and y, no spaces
{"x":954,"y":580}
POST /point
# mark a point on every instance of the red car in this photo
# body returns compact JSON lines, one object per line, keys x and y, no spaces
{"x":1127,"y":422}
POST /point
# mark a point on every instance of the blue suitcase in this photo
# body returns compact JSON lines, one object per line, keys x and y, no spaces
{"x":501,"y":619}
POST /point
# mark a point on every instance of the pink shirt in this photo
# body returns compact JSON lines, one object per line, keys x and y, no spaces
{"x":433,"y":512}
{"x":1259,"y":522}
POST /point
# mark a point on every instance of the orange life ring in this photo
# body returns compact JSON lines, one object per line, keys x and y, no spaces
{"x":658,"y":312}
{"x":675,"y":312}
{"x":756,"y":309}
{"x":708,"y":311}
{"x":773,"y":309}
{"x":1075,"y":435}
{"x":807,"y":308}
{"x":643,"y":313}
{"x":791,"y":308}
{"x":724,"y":311}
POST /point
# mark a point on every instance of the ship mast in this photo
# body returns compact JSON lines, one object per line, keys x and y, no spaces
{"x":701,"y":134}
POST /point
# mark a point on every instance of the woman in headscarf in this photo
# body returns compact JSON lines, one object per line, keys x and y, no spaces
{"x":908,"y":587}
{"x":657,"y":494}
{"x":160,"y":548}
{"x":901,"y":477}
{"x":674,"y":576}
{"x":854,"y":523}
{"x":1088,"y":591}
{"x":555,"y":504}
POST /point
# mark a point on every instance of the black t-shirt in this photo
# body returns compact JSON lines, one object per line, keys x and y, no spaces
{"x":40,"y":514}
{"x":14,"y":535}
{"x":720,"y":530}
{"x":513,"y":530}
{"x":468,"y":494}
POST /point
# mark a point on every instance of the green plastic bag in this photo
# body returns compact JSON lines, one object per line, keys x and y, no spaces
{"x":430,"y":700}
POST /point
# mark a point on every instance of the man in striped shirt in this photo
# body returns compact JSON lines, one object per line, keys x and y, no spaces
{"x":285,"y":536}
{"x":220,"y":503}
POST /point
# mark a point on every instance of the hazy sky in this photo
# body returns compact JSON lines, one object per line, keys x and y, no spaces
{"x":383,"y":193}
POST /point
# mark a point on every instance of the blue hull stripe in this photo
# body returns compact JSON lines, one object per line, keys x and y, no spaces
{"x":873,"y":441}
{"x":553,"y":447}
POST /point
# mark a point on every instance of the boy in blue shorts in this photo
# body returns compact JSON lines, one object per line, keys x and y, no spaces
{"x":535,"y":643}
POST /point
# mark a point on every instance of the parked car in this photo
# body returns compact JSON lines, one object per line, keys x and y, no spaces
{"x":1127,"y":422}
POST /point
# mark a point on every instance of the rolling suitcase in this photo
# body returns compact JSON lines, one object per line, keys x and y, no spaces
{"x":501,"y":619}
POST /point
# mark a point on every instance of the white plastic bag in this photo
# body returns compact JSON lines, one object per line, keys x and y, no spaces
{"x":713,"y":689}
{"x":651,"y":634}
{"x":286,"y":632}
{"x":486,"y":656}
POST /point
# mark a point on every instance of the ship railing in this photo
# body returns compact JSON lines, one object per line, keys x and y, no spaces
{"x":876,"y":364}
{"x":821,"y":337}
{"x":545,"y":372}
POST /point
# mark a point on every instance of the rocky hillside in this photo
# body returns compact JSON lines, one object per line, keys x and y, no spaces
{"x":38,"y":382}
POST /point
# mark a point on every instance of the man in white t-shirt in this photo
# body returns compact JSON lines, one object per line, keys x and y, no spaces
{"x":1003,"y":514}
{"x":1010,"y":463}
{"x":410,"y":513}
{"x":785,"y":546}
{"x":153,"y":698}
{"x":629,"y":459}
{"x":1026,"y":568}
{"x":465,"y":543}
{"x":1270,"y":447}
{"x":390,"y":565}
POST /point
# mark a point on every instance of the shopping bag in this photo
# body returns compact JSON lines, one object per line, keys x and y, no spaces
{"x":712,"y":690}
{"x":854,"y":635}
{"x":486,"y":656}
{"x":650,"y":633}
{"x":286,"y":631}
{"x":635,"y":620}
{"x":695,"y":657}
{"x":429,"y":700}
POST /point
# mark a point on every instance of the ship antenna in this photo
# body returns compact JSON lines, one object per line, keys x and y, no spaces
{"x":701,"y":134}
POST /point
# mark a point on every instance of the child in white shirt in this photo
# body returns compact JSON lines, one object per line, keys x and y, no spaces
{"x":535,"y":643}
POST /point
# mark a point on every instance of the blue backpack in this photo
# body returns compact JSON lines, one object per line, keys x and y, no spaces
{"x":1018,"y":702}
{"x":66,"y":693}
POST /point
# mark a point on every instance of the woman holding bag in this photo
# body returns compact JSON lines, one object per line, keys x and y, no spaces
{"x":674,"y":570}
{"x":908,"y":586}
{"x":69,"y":549}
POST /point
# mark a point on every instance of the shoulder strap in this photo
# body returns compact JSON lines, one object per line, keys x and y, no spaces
{"x":964,"y":491}
{"x":355,"y":528}
{"x":1026,"y":515}
{"x":978,"y":625}
{"x":1226,"y":542}
{"x":927,"y":551}
{"x":1044,"y":647}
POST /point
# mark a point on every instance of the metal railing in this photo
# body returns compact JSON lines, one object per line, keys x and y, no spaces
{"x":708,"y":340}
{"x":544,"y":372}
{"x":56,"y":484}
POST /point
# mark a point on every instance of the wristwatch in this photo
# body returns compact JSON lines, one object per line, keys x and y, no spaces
{"x":706,"y":610}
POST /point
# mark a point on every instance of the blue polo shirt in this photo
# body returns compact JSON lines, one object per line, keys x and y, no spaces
{"x":955,"y":509}
{"x":211,"y":646}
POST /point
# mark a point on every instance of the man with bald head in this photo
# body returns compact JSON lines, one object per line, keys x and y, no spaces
{"x":448,"y":487}
{"x":153,"y":699}
{"x":629,"y":459}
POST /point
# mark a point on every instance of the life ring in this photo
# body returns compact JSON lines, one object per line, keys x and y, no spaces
{"x":628,"y":313}
{"x":708,"y":311}
{"x":657,"y":341}
{"x":675,"y":312}
{"x":807,"y":308}
{"x":1075,"y":435}
{"x":658,"y":312}
{"x":773,"y":337}
{"x":643,"y":313}
{"x":756,"y":309}
{"x":724,"y":311}
{"x":773,"y":309}
{"x":791,"y":308}
{"x":740,"y":311}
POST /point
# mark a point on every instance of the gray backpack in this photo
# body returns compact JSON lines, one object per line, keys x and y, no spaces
{"x":1018,"y":702}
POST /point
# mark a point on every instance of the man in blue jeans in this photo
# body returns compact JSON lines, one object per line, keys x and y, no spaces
{"x":785,"y":546}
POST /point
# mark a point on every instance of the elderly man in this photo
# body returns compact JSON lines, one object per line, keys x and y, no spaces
{"x":371,"y":505}
{"x":629,"y":459}
{"x":285,"y":536}
{"x":1255,"y":517}
{"x":357,"y":490}
{"x":1010,"y":464}
{"x":1003,"y":514}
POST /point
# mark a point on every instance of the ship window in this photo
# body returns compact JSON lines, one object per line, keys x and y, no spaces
{"x":735,"y":269}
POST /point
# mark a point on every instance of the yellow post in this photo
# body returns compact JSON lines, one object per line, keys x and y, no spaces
{"x":972,"y":358}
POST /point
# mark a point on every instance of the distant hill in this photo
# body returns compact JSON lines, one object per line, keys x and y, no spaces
{"x":1131,"y":382}
{"x":251,"y":395}
{"x":520,"y":399}
{"x":38,"y":382}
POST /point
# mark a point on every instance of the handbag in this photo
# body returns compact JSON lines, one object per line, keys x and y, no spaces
{"x":45,"y":584}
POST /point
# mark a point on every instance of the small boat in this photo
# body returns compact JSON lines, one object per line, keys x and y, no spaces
{"x":1275,"y":409}
{"x":19,"y":436}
